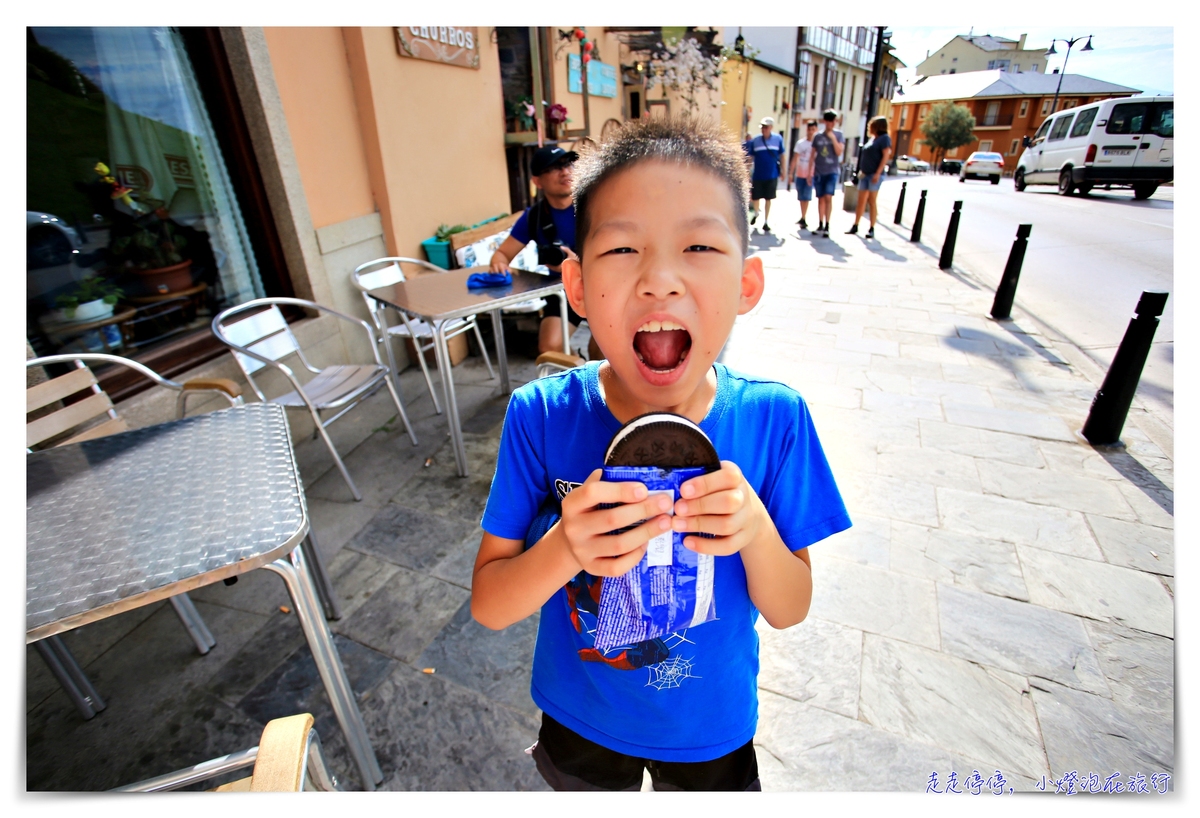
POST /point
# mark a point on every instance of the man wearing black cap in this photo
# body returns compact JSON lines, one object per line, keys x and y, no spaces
{"x":551,"y":223}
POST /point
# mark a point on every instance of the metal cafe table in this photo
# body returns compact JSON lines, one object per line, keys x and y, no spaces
{"x":127,"y":520}
{"x":439,"y":298}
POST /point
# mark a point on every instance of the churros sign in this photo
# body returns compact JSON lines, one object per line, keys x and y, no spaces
{"x":444,"y":44}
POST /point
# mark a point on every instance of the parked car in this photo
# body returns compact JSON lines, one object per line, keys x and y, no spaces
{"x":1126,"y":142}
{"x":910,"y":163}
{"x":952,"y":166}
{"x":49,"y":241}
{"x":982,"y":164}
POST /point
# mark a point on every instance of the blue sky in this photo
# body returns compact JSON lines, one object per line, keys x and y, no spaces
{"x":1140,"y":57}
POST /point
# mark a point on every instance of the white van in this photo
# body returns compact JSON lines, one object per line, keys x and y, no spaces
{"x":1125,"y":142}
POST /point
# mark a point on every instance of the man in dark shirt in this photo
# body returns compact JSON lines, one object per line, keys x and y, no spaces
{"x":551,"y":223}
{"x":767,"y":152}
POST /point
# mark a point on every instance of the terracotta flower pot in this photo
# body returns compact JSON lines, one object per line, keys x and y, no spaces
{"x":164,"y":280}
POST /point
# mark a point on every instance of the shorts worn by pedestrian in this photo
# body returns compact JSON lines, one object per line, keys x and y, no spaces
{"x":663,"y":270}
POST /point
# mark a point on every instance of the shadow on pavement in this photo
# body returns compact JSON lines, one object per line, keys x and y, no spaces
{"x":1139,"y":475}
{"x":764,"y":241}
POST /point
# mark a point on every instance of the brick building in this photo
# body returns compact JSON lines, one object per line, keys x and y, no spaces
{"x":1006,"y":107}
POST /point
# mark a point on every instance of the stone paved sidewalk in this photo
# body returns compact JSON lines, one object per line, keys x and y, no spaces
{"x":1004,"y":600}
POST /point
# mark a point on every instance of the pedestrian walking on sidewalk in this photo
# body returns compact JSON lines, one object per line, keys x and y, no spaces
{"x":828,"y":145}
{"x":767,"y":152}
{"x":872,"y":162}
{"x":802,"y":164}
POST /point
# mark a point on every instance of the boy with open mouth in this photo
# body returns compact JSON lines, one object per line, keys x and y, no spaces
{"x":662,"y":274}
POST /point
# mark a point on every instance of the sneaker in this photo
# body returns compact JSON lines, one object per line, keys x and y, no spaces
{"x":871,"y":233}
{"x":766,"y":227}
{"x":753,"y":217}
{"x":825,"y":232}
{"x":853,"y":229}
{"x":803,"y":224}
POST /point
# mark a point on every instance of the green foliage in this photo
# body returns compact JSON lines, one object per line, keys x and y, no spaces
{"x":92,"y":288}
{"x":444,"y":232}
{"x":150,"y":243}
{"x":948,"y":126}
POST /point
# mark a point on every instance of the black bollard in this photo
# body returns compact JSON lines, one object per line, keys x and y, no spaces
{"x":1007,"y":291}
{"x":900,"y":203}
{"x":1110,"y":407}
{"x":947,"y":258}
{"x":920,"y":219}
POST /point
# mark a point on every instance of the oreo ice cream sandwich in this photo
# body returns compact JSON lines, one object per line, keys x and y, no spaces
{"x":664,"y":440}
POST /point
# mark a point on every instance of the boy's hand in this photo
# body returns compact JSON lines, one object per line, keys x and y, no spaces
{"x":720,"y":503}
{"x":585,"y":526}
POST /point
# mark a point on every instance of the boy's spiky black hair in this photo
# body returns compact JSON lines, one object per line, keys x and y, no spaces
{"x":688,"y":141}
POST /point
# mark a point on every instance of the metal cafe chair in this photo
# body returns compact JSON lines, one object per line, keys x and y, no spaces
{"x":383,"y":272}
{"x":259,"y":337}
{"x":288,"y":758}
{"x":55,"y":424}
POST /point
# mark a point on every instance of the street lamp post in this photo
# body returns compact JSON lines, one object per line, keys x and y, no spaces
{"x":1051,"y":52}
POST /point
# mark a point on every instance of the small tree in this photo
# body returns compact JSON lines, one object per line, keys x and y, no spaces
{"x":948,"y":126}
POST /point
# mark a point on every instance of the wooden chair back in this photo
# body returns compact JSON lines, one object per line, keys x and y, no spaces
{"x":63,"y":419}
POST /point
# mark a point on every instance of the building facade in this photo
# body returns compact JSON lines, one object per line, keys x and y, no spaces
{"x":273,"y":161}
{"x":986,"y":52}
{"x":1007,"y":107}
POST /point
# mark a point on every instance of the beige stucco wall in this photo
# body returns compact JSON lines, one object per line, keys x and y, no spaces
{"x":735,"y":85}
{"x":973,"y":58}
{"x":433,"y":137}
{"x":313,"y":76}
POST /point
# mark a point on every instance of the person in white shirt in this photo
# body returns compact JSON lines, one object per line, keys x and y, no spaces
{"x":803,"y":163}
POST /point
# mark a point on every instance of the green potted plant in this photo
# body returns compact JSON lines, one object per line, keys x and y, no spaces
{"x":152,"y":248}
{"x":437,"y":248}
{"x":94,"y":297}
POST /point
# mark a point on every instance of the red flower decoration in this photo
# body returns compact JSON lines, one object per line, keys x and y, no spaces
{"x":557,"y":113}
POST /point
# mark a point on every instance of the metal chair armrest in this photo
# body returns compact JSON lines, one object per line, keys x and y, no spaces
{"x":230,"y":388}
{"x":100,"y":357}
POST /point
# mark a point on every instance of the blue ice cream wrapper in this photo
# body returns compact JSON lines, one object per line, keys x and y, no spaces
{"x":670,"y":589}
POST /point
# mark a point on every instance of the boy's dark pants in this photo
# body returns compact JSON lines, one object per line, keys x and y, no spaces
{"x":570,"y":762}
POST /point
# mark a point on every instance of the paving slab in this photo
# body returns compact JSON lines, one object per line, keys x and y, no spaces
{"x":928,"y":465}
{"x":802,"y":748}
{"x":964,"y":560}
{"x":1140,"y":667}
{"x":1031,"y":424}
{"x":414,"y":539}
{"x":874,"y":600}
{"x":1019,"y":637}
{"x":405,"y":615}
{"x":1088,"y":733}
{"x":1097,"y":590}
{"x":938,"y":699}
{"x":966,"y":440}
{"x":1017,"y":522}
{"x":1048,"y":488}
{"x":1135,"y":545}
{"x":866,"y":542}
{"x":816,"y":662}
{"x":431,"y":734}
{"x":496,"y":664}
{"x":894,"y":497}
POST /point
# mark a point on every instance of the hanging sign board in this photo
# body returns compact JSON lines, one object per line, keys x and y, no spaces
{"x":444,"y":44}
{"x":602,"y":78}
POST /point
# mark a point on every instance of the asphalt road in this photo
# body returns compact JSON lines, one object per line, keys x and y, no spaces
{"x":1088,"y":261}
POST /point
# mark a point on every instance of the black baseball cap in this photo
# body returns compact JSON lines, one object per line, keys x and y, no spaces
{"x":549,"y":155}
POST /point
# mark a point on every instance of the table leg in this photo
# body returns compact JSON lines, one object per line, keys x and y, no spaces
{"x":443,"y":356}
{"x":193,"y":623}
{"x":71,"y":677}
{"x":501,"y":350}
{"x":566,"y":328}
{"x":320,"y":577}
{"x":295,"y":574}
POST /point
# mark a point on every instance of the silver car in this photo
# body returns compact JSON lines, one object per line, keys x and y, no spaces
{"x":982,"y":165}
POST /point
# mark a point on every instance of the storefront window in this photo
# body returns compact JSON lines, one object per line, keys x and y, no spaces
{"x":135,"y":234}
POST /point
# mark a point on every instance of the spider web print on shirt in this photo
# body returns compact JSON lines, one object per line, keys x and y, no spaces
{"x":672,"y":671}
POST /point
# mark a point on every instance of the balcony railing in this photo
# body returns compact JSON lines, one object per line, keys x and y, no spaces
{"x":994,"y":120}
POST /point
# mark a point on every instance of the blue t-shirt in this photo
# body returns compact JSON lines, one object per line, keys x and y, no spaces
{"x":766,"y":153}
{"x":564,"y":223}
{"x":690,"y":696}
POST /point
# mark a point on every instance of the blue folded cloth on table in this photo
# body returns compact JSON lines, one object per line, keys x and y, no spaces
{"x":477,"y":280}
